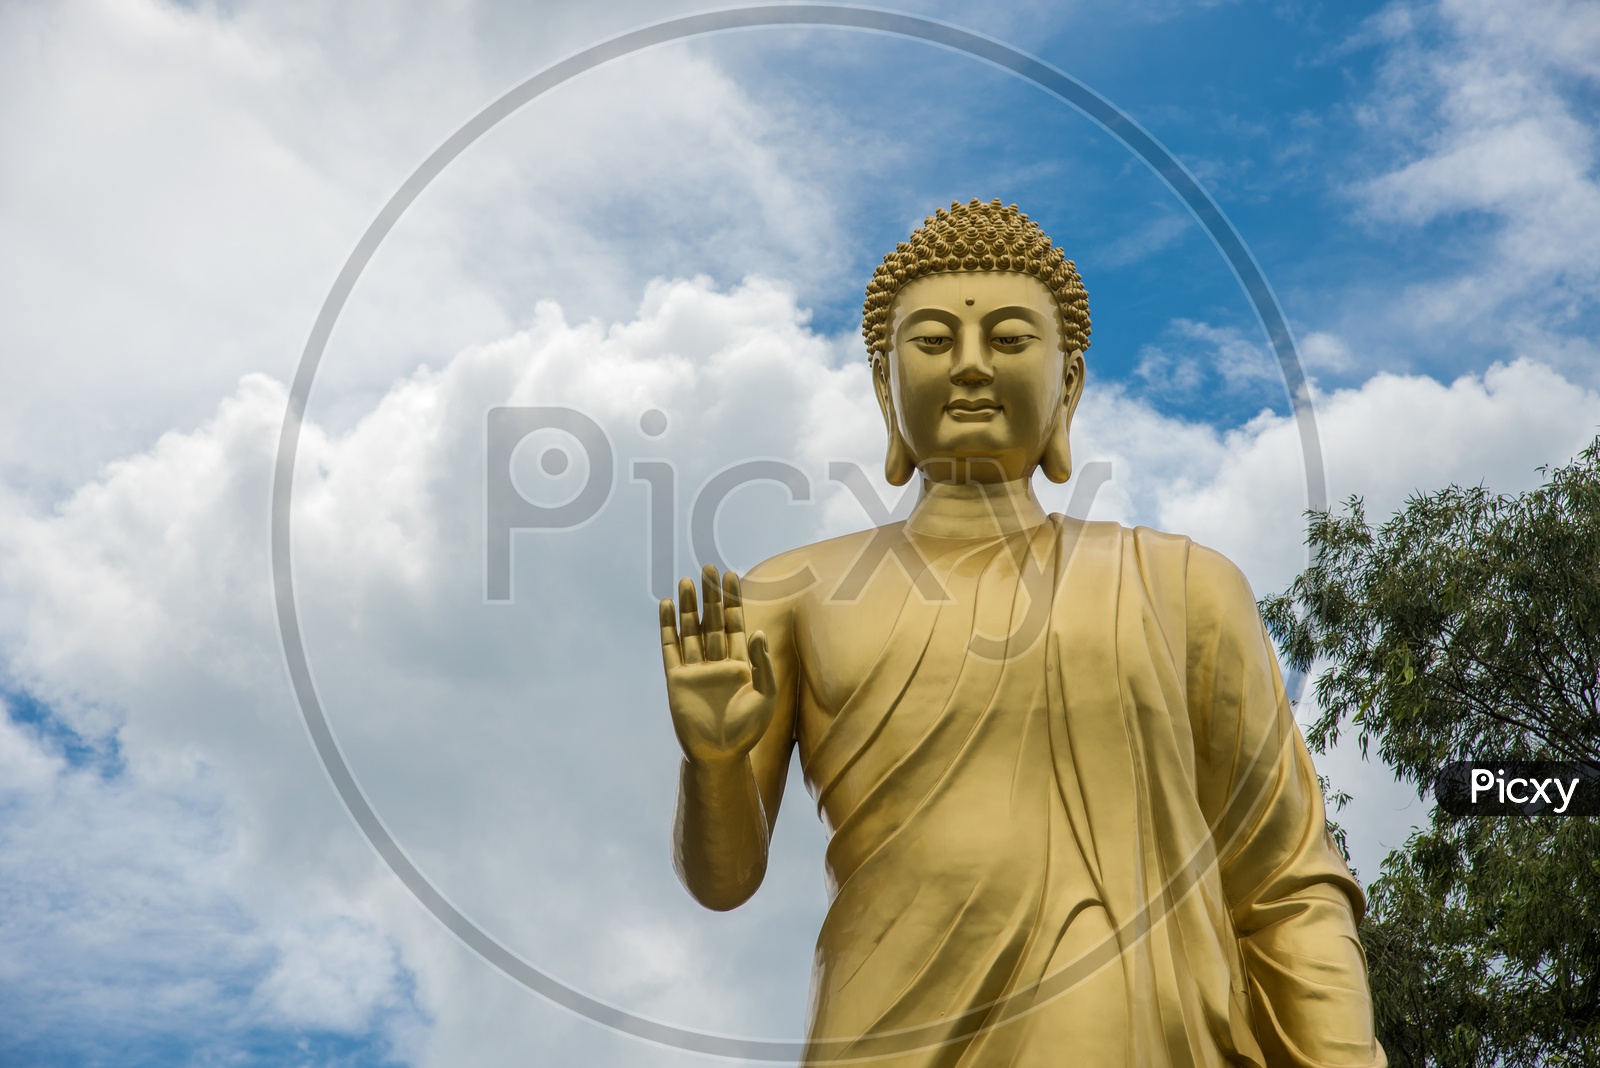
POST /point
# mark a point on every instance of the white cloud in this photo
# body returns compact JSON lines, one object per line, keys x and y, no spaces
{"x":331,"y":974}
{"x":536,"y":790}
{"x":183,"y":183}
{"x":1390,"y":437}
{"x":122,"y":908}
{"x":1323,"y":351}
{"x":1484,"y":105}
{"x":1244,"y":491}
{"x":1145,"y":240}
{"x":1192,"y":356}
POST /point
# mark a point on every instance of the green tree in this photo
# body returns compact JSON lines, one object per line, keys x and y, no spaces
{"x":1468,"y":626}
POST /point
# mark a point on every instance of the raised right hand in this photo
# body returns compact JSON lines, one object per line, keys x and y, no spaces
{"x":720,"y":690}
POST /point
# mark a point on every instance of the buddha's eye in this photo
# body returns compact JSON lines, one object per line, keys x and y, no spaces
{"x":1011,"y":341}
{"x":935,"y":342}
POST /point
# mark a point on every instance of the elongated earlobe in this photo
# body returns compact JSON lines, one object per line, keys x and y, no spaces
{"x":898,"y":466}
{"x":1057,"y":460}
{"x":898,"y":463}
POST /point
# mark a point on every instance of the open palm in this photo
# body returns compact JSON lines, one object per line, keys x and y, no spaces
{"x":721,"y":690}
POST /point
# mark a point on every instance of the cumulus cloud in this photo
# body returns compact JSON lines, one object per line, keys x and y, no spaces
{"x":185,"y":181}
{"x":519,"y":751}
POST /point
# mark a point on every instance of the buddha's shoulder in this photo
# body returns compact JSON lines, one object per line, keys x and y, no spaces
{"x":1204,"y":570}
{"x":820,"y":561}
{"x":1142,"y":539}
{"x":1212,"y":583}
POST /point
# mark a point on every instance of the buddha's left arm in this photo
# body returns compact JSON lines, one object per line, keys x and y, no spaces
{"x":1292,"y":899}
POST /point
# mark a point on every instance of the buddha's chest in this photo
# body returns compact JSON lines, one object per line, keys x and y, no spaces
{"x":907,"y":690}
{"x":928,"y":634}
{"x":840,"y":641}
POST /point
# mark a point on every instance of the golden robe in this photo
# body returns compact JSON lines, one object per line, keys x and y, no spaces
{"x":1105,"y":846}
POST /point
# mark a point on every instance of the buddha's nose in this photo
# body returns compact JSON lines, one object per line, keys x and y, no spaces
{"x":970,"y":366}
{"x":972,"y":371}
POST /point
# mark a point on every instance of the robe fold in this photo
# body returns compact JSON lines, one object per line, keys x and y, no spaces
{"x":1073,"y":822}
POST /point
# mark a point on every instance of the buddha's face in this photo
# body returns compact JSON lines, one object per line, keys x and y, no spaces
{"x":976,"y":381}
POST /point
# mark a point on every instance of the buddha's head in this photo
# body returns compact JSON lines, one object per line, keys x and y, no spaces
{"x":976,"y":328}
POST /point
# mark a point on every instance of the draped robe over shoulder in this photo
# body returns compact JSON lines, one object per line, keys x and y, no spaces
{"x":1099,"y":841}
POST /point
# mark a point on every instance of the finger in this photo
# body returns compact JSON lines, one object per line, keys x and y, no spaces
{"x":713,"y":639}
{"x":671,"y":656}
{"x":733,"y":612}
{"x":688,"y":622}
{"x":761,"y":672}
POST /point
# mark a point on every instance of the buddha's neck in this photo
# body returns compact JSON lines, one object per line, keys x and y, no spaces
{"x":975,"y":509}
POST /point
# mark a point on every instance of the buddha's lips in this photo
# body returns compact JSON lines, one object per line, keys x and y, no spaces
{"x":972,"y":411}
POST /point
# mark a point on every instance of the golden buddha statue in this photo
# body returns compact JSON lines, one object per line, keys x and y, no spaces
{"x":1096,"y":840}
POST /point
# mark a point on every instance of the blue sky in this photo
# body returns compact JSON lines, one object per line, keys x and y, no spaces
{"x":687,"y":230}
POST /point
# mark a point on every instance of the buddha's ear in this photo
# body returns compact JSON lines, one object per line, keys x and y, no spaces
{"x":898,"y":466}
{"x":1057,"y":460}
